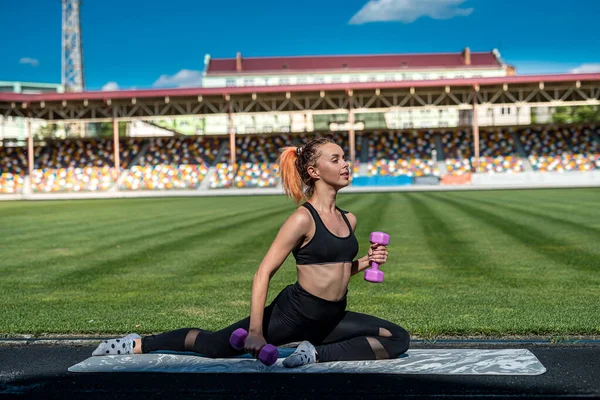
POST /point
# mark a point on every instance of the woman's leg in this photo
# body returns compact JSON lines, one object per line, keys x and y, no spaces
{"x":363,"y":337}
{"x":278,"y":329}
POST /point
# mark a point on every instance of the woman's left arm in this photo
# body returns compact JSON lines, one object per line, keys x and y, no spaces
{"x":359,"y":265}
{"x":376,"y":253}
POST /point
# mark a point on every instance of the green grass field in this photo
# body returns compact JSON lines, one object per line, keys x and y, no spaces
{"x":494,"y":263}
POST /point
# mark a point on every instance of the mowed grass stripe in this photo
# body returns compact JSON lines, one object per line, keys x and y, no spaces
{"x":207,"y":250}
{"x":562,"y":223}
{"x":229,"y":263}
{"x":387,"y":212}
{"x":206,"y":283}
{"x":552,"y":202}
{"x":458,"y":253}
{"x":580,"y":202}
{"x":144,"y":252}
{"x":179,"y":224}
{"x":239,"y":259}
{"x":536,"y":240}
{"x":86,"y":223}
{"x":369,"y":211}
{"x":511,"y":302}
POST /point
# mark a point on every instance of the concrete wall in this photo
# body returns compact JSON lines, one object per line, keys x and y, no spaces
{"x":571,"y":177}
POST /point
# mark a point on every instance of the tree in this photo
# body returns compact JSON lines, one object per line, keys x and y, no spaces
{"x":578,"y":114}
{"x":45,"y":132}
{"x":105,"y":129}
{"x":586,"y":114}
{"x":562,"y":115}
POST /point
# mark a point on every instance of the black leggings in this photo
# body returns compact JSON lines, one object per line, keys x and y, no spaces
{"x":296,"y":315}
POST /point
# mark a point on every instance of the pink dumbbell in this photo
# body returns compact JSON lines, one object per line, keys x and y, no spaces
{"x":373,"y":274}
{"x":268,"y":354}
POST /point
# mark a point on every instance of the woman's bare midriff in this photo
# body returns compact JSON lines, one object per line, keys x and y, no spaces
{"x":327,"y":281}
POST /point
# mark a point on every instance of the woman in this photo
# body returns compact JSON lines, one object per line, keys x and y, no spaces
{"x":313,"y":310}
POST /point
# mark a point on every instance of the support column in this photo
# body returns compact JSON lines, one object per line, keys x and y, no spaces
{"x":476,"y":133}
{"x":117,"y":158}
{"x":30,"y":156}
{"x":232,"y":158}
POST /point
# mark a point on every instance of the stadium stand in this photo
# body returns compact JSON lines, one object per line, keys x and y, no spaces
{"x":256,"y":158}
{"x":223,"y":177}
{"x":585,"y":150}
{"x":404,"y":153}
{"x":571,"y":149}
{"x":458,"y":151}
{"x":11,"y":183}
{"x":183,"y":162}
{"x":80,"y":165}
{"x":172,"y":163}
{"x":13,"y":168}
{"x":498,"y":153}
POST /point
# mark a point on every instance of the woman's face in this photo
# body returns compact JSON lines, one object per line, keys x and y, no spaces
{"x":332,"y":166}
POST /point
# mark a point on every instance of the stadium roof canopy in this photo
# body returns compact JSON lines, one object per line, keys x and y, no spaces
{"x":350,"y":63}
{"x":548,"y":90}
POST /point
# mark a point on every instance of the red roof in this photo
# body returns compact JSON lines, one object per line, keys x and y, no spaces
{"x":341,"y":63}
{"x":222,"y":91}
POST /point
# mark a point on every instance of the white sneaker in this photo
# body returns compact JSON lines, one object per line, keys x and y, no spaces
{"x":117,"y":346}
{"x":304,"y":354}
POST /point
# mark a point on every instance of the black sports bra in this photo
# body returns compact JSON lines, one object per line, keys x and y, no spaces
{"x":325,"y":247}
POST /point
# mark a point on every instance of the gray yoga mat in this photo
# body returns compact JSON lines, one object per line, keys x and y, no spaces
{"x":432,"y":361}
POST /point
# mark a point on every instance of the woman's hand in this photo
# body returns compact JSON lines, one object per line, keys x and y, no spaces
{"x":254,"y":342}
{"x":377,"y":253}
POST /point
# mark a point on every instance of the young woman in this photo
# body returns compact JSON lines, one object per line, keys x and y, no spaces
{"x":312,"y":310}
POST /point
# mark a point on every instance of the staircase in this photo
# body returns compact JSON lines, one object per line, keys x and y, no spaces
{"x":45,"y":150}
{"x":363,"y":168}
{"x":205,"y":184}
{"x":219,"y":155}
{"x":440,"y":156}
{"x":212,"y":170}
{"x":521,"y":152}
{"x":596,"y":136}
{"x":568,"y":142}
{"x":27,"y":186}
{"x":136,"y":159}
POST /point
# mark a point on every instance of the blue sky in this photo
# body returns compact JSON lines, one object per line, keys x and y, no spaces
{"x":152,"y":43}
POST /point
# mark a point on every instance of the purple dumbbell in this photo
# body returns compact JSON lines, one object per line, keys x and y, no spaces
{"x":373,"y":274}
{"x":268,"y":354}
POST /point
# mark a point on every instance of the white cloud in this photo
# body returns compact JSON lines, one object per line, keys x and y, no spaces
{"x":184,"y":78}
{"x":31,"y":61}
{"x":541,"y":67}
{"x":586,"y":68}
{"x":409,"y":10}
{"x":110,"y":86}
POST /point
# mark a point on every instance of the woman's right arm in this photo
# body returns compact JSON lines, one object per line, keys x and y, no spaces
{"x":291,"y":233}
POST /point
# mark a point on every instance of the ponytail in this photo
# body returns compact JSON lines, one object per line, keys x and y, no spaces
{"x":290,"y":176}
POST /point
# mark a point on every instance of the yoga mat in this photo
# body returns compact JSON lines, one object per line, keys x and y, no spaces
{"x":432,"y":361}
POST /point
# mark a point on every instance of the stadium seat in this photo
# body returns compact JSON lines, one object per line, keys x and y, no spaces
{"x":173,"y":163}
{"x":458,"y":151}
{"x":403,"y":153}
{"x":561,"y":149}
